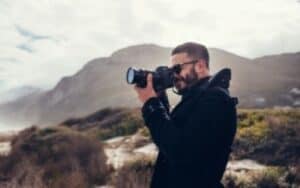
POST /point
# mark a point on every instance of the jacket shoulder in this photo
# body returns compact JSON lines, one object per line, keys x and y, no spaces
{"x":219,"y":94}
{"x":216,"y":93}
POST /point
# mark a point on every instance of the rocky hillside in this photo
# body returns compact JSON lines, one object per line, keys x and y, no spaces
{"x":262,"y":82}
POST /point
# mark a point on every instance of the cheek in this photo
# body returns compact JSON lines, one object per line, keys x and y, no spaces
{"x":184,"y":73}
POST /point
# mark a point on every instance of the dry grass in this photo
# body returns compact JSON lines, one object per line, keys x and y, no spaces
{"x":135,"y":174}
{"x":53,"y":157}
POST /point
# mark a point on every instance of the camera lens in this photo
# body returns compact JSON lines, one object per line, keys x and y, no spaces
{"x":130,"y":75}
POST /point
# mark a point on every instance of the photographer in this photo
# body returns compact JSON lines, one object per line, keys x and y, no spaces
{"x":194,"y":140}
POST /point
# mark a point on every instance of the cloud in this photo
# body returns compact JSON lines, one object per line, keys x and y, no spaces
{"x":25,"y":48}
{"x":31,"y":35}
{"x":41,"y":41}
{"x":31,"y":38}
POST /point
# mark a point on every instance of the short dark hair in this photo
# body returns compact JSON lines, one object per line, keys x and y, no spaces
{"x":194,"y":50}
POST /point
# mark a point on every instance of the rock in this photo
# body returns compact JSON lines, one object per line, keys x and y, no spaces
{"x":5,"y":148}
{"x":245,"y":164}
{"x":123,"y":149}
{"x":149,"y":149}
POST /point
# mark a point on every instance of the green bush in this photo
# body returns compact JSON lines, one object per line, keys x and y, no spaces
{"x":270,"y":136}
{"x":128,"y":125}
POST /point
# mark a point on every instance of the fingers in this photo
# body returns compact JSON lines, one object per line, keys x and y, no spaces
{"x":149,"y":80}
{"x":149,"y":84}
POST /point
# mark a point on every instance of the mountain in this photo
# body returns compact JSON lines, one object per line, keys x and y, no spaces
{"x":18,"y":92}
{"x":260,"y":82}
{"x":281,"y":78}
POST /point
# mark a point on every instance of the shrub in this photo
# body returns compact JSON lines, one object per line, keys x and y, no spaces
{"x":53,"y":157}
{"x":127,"y":125}
{"x":272,"y":137}
{"x":269,"y":178}
{"x":135,"y":174}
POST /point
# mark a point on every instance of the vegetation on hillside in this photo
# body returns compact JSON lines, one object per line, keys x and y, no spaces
{"x":108,"y":123}
{"x":72,"y":152}
{"x":269,"y":136}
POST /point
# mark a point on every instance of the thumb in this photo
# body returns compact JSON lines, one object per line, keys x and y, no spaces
{"x":149,"y":80}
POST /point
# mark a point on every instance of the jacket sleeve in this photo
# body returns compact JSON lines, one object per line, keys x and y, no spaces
{"x":163,"y":97}
{"x":200,"y":130}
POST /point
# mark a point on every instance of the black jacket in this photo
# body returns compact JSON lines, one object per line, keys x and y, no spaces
{"x":194,"y":140}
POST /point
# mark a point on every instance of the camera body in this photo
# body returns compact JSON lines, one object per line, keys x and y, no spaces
{"x":163,"y":77}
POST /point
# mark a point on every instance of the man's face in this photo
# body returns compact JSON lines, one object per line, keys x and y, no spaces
{"x":188,"y":75}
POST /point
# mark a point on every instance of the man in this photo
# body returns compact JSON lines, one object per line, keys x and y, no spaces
{"x":194,"y":139}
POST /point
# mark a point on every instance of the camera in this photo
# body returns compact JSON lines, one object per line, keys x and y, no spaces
{"x":163,"y":77}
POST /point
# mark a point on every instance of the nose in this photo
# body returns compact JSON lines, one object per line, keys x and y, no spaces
{"x":176,"y":75}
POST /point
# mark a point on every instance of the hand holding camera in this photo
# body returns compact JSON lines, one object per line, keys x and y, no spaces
{"x":147,"y":92}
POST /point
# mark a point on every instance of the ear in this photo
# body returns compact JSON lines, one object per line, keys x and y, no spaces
{"x":200,"y":66}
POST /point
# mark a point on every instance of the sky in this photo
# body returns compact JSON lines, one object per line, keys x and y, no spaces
{"x":43,"y":40}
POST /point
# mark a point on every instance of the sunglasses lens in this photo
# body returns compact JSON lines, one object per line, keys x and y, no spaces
{"x":177,"y":69}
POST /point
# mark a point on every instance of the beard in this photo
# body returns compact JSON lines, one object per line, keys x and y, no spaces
{"x":183,"y":84}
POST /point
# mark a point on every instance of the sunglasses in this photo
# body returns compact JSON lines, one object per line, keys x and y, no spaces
{"x":177,"y":68}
